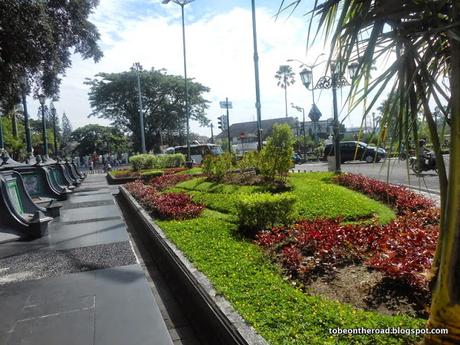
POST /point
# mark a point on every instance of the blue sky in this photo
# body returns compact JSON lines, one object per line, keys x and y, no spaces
{"x":219,"y":55}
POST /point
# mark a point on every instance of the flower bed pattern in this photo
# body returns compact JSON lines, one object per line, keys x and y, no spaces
{"x":402,"y":249}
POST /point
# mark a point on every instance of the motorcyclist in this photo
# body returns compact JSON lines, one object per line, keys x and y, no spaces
{"x":426,"y":156}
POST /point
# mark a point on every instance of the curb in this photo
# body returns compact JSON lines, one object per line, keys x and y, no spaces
{"x":208,"y":310}
{"x":417,"y":189}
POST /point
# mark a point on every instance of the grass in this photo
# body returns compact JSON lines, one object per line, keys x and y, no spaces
{"x":318,"y":197}
{"x":192,"y":171}
{"x":278,"y":310}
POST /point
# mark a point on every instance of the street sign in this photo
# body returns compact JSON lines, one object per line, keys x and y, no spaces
{"x":224,"y":105}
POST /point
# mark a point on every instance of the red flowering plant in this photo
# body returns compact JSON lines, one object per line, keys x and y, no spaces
{"x":402,"y":249}
{"x":397,"y":196}
{"x":164,"y":206}
{"x":172,"y":171}
{"x":168,"y":181}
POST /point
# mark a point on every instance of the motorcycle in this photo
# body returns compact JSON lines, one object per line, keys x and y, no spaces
{"x":424,"y":163}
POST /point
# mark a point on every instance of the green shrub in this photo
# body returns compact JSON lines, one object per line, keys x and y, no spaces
{"x":170,"y":160}
{"x":143,"y":161}
{"x":217,"y":166}
{"x":261,"y":211}
{"x":276,"y":156}
{"x":250,"y":160}
{"x":148,"y":161}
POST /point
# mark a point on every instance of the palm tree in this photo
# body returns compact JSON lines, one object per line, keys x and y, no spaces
{"x":422,"y":38}
{"x":285,"y":77}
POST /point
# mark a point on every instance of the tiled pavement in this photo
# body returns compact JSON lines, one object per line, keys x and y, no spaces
{"x":82,"y":284}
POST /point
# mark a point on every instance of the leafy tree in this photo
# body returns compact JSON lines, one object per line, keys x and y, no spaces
{"x":66,"y":133}
{"x":285,"y":77}
{"x":114,"y":96}
{"x":424,"y":37}
{"x":14,"y":145}
{"x":36,"y":41}
{"x":99,"y":139}
{"x":276,"y":155}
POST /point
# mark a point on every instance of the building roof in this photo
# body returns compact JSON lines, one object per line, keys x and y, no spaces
{"x":250,"y":128}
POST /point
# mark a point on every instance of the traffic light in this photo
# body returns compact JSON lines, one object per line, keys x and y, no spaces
{"x":222,"y":122}
{"x":219,"y":123}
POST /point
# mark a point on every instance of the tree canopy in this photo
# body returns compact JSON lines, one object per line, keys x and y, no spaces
{"x":37,"y":39}
{"x":114,"y":96}
{"x":99,"y":139}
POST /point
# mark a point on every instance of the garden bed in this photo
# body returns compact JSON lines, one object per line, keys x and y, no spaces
{"x":207,"y":309}
{"x":278,"y":308}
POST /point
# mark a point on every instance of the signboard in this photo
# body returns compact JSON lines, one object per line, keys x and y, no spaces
{"x":224,"y":105}
{"x":13,"y":192}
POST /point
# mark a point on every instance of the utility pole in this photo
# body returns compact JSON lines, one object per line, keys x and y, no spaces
{"x":256,"y":72}
{"x":212,"y":134}
{"x":227,"y":105}
{"x":137,"y":65}
{"x":228,"y":128}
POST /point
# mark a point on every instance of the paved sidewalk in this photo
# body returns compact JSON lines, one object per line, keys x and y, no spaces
{"x":81,"y":284}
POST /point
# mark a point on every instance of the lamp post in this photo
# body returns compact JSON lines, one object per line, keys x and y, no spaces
{"x":182,"y":4}
{"x":212,"y":133}
{"x":303,"y":129}
{"x":26,"y":116}
{"x":335,"y":81}
{"x":42,"y":100}
{"x":2,"y":142}
{"x":137,"y":66}
{"x":256,"y":72}
{"x":53,"y":116}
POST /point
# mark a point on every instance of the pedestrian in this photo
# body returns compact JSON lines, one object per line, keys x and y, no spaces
{"x":91,"y":166}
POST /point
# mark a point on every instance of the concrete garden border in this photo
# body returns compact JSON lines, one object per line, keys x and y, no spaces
{"x":209,"y":311}
{"x":119,"y":180}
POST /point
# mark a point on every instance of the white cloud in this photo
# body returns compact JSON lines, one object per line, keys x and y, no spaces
{"x":219,"y":55}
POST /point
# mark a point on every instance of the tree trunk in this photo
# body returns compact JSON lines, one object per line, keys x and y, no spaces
{"x":285,"y":99}
{"x":445,"y":306}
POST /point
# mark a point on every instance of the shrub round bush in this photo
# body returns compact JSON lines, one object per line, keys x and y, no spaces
{"x":262,"y":211}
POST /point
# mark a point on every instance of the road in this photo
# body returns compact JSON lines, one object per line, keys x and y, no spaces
{"x":391,"y":170}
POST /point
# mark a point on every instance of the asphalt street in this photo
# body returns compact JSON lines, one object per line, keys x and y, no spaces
{"x":390,"y":170}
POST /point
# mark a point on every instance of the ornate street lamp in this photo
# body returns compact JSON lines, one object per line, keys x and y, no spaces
{"x":182,"y":3}
{"x":42,"y":99}
{"x":334,"y":81}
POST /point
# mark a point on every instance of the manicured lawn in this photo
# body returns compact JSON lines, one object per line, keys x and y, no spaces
{"x":275,"y":306}
{"x":277,"y":309}
{"x":192,"y":171}
{"x":317,"y":196}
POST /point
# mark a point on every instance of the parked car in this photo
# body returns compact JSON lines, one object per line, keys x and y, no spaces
{"x":356,"y":150}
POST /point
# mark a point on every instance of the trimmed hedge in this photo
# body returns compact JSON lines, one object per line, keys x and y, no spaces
{"x":262,"y":211}
{"x":148,"y":161}
{"x":142,"y":161}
